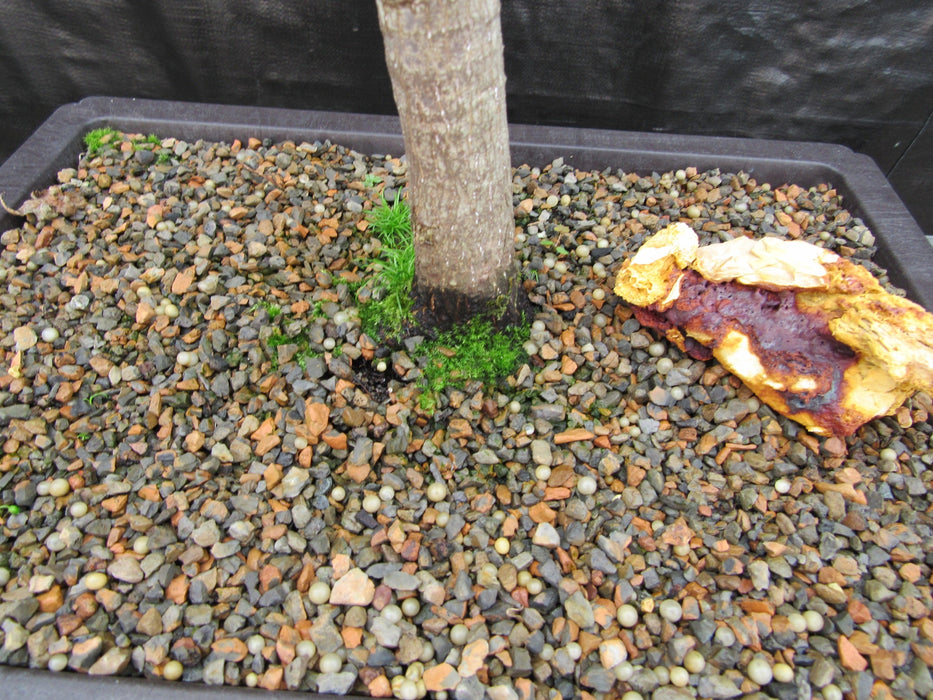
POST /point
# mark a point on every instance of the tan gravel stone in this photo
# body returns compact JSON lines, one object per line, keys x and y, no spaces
{"x":353,"y":588}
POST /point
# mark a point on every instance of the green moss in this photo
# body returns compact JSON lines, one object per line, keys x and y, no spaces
{"x":272,"y":309}
{"x":96,"y":139}
{"x":389,"y":308}
{"x":473,"y":351}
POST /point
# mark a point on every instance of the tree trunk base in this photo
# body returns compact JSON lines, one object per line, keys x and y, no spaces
{"x":439,"y":309}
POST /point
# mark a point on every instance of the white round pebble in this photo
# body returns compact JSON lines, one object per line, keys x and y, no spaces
{"x":58,"y":662}
{"x":319,"y":592}
{"x":42,"y":488}
{"x":172,"y":670}
{"x":547,"y":652}
{"x":442,"y":519}
{"x":627,"y":615}
{"x":305,"y":648}
{"x":542,"y":472}
{"x":782,"y":485}
{"x":301,"y":443}
{"x":681,"y":550}
{"x":381,"y":366}
{"x":586,"y":485}
{"x":392,"y":614}
{"x":725,"y":636}
{"x":624,"y":671}
{"x":372,"y":503}
{"x":670,"y":610}
{"x":59,"y":487}
{"x":656,"y":349}
{"x":330,"y":663}
{"x":582,"y":251}
{"x":4,"y":576}
{"x":515,"y":406}
{"x":255,"y":644}
{"x":665,"y":365}
{"x":407,"y":690}
{"x":502,"y":545}
{"x":535,"y":586}
{"x":677,"y":393}
{"x":415,"y":671}
{"x":632,"y":695}
{"x":170,"y":310}
{"x":599,"y":294}
{"x":797,"y":622}
{"x":574,"y":650}
{"x":530,"y":348}
{"x":694,"y":661}
{"x":50,"y":334}
{"x":187,"y":359}
{"x":95,"y":580}
{"x":783,"y":673}
{"x":759,"y":671}
{"x":338,"y":493}
{"x":141,"y":545}
{"x":459,"y":634}
{"x":54,"y":542}
{"x":679,"y":676}
{"x":78,"y":509}
{"x":888,"y":454}
{"x":437,"y":491}
{"x":814,"y":620}
{"x":387,"y":493}
{"x":329,"y":343}
{"x":831,"y":692}
{"x":411,"y":607}
{"x":663,"y":674}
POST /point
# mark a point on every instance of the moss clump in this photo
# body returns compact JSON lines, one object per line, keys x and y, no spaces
{"x":96,"y":139}
{"x":474,"y":351}
{"x":389,"y":309}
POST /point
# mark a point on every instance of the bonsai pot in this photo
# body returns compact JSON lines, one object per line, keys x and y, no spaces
{"x":902,"y":248}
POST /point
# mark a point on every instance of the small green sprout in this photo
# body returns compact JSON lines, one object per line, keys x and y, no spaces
{"x":96,"y":139}
{"x":272,"y":309}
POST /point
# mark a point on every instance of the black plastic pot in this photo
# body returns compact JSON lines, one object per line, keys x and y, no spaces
{"x":902,"y":247}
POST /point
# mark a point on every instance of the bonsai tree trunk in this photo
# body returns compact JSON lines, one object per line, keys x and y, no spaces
{"x":448,"y":79}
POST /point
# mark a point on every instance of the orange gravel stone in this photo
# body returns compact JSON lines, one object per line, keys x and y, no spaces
{"x":573,"y":435}
{"x":849,"y":656}
{"x":440,"y":677}
{"x":230,"y":648}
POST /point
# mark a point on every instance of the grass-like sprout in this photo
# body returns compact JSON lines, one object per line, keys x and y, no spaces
{"x":390,"y":306}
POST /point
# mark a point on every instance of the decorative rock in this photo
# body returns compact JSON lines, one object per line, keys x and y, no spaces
{"x":546,"y":536}
{"x":126,"y":569}
{"x":441,"y":677}
{"x":579,"y":610}
{"x":353,"y":588}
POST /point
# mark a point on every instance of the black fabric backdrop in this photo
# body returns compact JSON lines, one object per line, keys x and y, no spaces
{"x":857,"y":73}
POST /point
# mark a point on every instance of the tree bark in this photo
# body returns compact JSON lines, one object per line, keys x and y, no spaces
{"x":448,"y":79}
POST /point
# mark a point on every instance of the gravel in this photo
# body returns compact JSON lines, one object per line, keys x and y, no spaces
{"x":182,"y":359}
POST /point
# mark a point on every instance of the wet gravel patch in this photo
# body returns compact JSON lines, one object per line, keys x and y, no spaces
{"x":215,"y":483}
